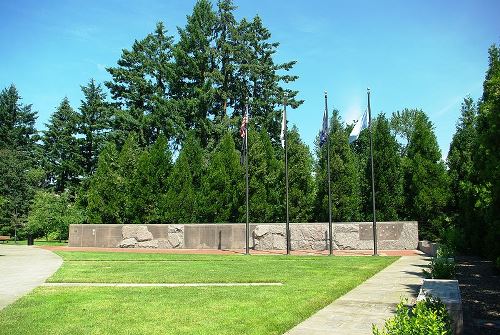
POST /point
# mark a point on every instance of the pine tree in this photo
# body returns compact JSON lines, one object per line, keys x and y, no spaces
{"x":105,"y":197}
{"x":141,"y":84}
{"x":182,"y":202}
{"x":94,"y":124}
{"x":149,"y":183}
{"x":425,"y":180}
{"x":487,"y":158}
{"x":266,"y":180}
{"x":19,"y":156}
{"x":463,"y":176}
{"x":300,"y":179}
{"x":388,"y":172}
{"x":223,"y":185}
{"x":345,"y":192}
{"x":61,"y":148}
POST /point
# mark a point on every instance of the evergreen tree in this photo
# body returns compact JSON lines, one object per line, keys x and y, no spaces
{"x":93,"y":124}
{"x":301,"y":189}
{"x":142,"y":82}
{"x":61,"y":148}
{"x":487,"y":158}
{"x":17,"y":123}
{"x":223,"y":185}
{"x":463,"y":176}
{"x":149,"y":184}
{"x":19,"y":154}
{"x":266,"y":180}
{"x":105,"y":197}
{"x":345,"y":192}
{"x":195,"y":61}
{"x":127,"y":168}
{"x":425,"y":180}
{"x":388,"y":172}
{"x":182,"y":202}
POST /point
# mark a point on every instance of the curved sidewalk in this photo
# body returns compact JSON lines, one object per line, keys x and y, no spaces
{"x":23,"y":268}
{"x":370,"y":303}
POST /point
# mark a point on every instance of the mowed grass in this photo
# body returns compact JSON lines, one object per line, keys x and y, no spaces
{"x":310,"y":283}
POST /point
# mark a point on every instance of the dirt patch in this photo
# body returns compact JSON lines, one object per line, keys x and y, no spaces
{"x":480,"y":290}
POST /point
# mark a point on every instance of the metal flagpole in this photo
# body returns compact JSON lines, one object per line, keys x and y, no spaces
{"x":288,"y":247}
{"x":330,"y":228}
{"x":375,"y":252}
{"x":247,"y":226}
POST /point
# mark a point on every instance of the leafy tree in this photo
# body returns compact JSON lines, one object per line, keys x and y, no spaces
{"x":53,"y":213}
{"x":126,"y":169}
{"x":94,"y":123}
{"x":425,"y":179}
{"x":403,"y":126}
{"x":61,"y":148}
{"x":223,"y":185}
{"x":149,"y":183}
{"x":182,"y":202}
{"x":487,"y":158}
{"x":345,"y":192}
{"x":463,"y":176}
{"x":301,"y":187}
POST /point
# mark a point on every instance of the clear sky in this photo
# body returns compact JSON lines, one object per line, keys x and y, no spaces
{"x":412,"y":53}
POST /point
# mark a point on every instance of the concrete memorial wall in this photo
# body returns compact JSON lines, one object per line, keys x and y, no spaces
{"x":398,"y":235}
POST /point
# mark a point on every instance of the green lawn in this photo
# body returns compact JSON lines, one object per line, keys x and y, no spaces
{"x":310,"y":283}
{"x":37,"y":242}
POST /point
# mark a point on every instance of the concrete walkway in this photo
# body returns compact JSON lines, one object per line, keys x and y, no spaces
{"x":370,"y":303}
{"x":22,"y":269}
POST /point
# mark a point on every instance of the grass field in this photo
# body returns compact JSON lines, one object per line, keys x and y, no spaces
{"x":37,"y":242}
{"x":310,"y":283}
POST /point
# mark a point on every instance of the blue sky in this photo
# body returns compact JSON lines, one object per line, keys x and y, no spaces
{"x":412,"y":54}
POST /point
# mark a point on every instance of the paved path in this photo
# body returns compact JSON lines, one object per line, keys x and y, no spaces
{"x":22,"y":269}
{"x":370,"y":303}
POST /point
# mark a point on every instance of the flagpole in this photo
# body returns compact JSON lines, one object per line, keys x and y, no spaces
{"x":247,"y":226}
{"x":288,"y":246}
{"x":375,"y":252}
{"x":330,"y":228}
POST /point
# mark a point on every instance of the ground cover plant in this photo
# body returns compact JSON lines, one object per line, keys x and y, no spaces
{"x":309,"y":283}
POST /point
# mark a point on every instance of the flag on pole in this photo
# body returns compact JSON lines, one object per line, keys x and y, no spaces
{"x":360,"y":125}
{"x":243,"y":127}
{"x":283,"y":127}
{"x":323,"y":134}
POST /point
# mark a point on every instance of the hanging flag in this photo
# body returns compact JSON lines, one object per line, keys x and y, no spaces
{"x":283,"y":127}
{"x":323,"y":134}
{"x":360,"y":125}
{"x":243,"y":127}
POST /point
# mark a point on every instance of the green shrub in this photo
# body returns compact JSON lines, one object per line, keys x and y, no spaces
{"x":427,"y":317}
{"x":441,"y":268}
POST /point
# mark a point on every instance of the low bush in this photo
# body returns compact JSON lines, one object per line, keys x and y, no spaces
{"x":441,"y":268}
{"x":426,"y":317}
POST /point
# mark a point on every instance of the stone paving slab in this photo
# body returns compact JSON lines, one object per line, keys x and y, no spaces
{"x":22,"y":269}
{"x":158,"y":284}
{"x":370,"y":303}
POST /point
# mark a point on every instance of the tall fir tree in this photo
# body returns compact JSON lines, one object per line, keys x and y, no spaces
{"x":223,"y":185}
{"x":105,"y":197}
{"x":301,"y":181}
{"x":266,"y":180}
{"x":487,"y":157}
{"x":425,"y":180}
{"x":19,"y":156}
{"x":149,"y":182}
{"x":182,"y":202}
{"x":94,"y":124}
{"x":388,"y":173}
{"x":463,"y":176}
{"x":142,"y":83}
{"x":62,"y":149}
{"x":345,"y":187}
